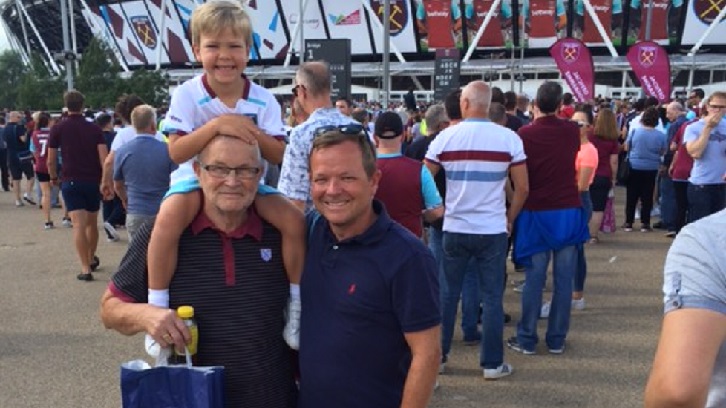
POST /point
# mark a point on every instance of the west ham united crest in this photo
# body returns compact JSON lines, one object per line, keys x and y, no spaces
{"x":399,"y":14}
{"x":570,"y":52}
{"x":266,"y":254}
{"x":647,"y":56}
{"x":708,"y":10}
{"x":144,"y":30}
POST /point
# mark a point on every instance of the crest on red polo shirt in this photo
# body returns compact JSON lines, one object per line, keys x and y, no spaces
{"x":571,"y":51}
{"x":708,"y":10}
{"x":266,"y":254}
{"x":647,"y":56}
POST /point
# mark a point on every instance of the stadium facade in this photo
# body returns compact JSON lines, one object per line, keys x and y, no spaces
{"x":514,"y":42}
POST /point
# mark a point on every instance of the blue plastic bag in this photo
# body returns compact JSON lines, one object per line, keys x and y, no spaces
{"x":177,"y":386}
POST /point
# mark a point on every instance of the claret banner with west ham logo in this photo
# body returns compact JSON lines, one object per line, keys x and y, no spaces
{"x":652,"y":66}
{"x":574,"y":61}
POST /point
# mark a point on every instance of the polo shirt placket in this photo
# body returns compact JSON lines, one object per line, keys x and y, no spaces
{"x":252,"y":227}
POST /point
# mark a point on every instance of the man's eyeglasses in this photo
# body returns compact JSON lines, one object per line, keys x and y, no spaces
{"x":222,"y":172}
{"x":350,"y":129}
{"x":294,"y":89}
{"x":719,"y":107}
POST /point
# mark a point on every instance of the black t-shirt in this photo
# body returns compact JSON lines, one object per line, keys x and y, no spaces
{"x":11,"y":134}
{"x":513,"y":123}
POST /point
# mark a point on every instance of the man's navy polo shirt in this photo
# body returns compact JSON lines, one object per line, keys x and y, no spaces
{"x":359,"y":297}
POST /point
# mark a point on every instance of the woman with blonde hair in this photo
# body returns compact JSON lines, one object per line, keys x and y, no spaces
{"x":604,"y":137}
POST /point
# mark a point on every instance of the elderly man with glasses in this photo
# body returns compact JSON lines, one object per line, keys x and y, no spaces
{"x":312,"y":93}
{"x":230,"y":269}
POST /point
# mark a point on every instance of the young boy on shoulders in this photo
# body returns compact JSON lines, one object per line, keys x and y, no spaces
{"x":222,"y":101}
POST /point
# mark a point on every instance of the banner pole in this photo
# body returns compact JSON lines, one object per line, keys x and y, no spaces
{"x":297,"y":33}
{"x":386,"y":51}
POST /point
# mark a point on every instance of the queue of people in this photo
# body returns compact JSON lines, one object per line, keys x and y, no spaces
{"x":377,"y":228}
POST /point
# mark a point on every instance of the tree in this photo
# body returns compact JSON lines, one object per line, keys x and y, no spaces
{"x":37,"y":89}
{"x":12,"y":68}
{"x":98,"y":77}
{"x":150,"y":86}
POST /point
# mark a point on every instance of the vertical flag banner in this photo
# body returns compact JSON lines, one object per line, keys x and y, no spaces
{"x":651,"y":65}
{"x":574,"y":61}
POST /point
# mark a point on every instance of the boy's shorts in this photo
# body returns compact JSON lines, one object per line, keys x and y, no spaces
{"x":190,"y":185}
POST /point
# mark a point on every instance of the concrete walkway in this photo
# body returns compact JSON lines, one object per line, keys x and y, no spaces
{"x":54,"y":351}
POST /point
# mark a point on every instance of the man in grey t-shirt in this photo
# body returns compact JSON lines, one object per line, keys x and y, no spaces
{"x":690,"y":365}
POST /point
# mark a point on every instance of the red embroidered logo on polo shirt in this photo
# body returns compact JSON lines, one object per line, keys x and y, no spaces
{"x":351,"y":289}
{"x":266,"y":254}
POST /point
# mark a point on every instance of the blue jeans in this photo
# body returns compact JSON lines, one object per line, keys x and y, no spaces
{"x":581,"y":272}
{"x":563,"y":270}
{"x":489,"y":253}
{"x":667,"y":203}
{"x":705,"y":200}
{"x":470,"y":298}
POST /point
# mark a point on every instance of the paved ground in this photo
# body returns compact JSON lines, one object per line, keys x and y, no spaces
{"x":54,"y":352}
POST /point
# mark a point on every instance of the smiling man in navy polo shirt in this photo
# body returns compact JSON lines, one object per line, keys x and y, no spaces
{"x":370,"y":334}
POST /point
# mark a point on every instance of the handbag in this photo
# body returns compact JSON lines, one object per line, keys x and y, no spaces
{"x":171,"y":386}
{"x":608,"y":220}
{"x":624,"y":170}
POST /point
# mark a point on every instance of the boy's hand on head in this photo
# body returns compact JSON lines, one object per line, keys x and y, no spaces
{"x":239,"y":126}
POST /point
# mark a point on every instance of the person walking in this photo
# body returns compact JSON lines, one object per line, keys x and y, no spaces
{"x":645,"y":146}
{"x":83,"y":149}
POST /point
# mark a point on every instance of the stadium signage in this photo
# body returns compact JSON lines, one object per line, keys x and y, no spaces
{"x":651,"y":65}
{"x":574,"y":61}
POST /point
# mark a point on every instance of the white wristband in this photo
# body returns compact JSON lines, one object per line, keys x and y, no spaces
{"x":159,"y":298}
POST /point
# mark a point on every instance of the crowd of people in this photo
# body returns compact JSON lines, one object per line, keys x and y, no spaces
{"x":352,"y":233}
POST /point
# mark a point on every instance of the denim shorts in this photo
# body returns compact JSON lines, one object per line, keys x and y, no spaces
{"x":81,"y":195}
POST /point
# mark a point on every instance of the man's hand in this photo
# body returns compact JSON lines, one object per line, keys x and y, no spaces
{"x":712,"y":120}
{"x":239,"y":126}
{"x":107,"y":191}
{"x":166,"y":328}
{"x":55,"y":181}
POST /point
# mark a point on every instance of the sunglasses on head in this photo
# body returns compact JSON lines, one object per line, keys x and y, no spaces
{"x":294,"y":89}
{"x":349,"y":129}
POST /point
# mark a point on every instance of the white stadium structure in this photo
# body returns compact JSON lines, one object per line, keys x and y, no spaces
{"x":154,"y":34}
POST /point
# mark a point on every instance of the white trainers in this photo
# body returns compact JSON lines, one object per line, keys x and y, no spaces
{"x":113,"y":235}
{"x":291,"y":333}
{"x":544,"y":313}
{"x":578,"y":304}
{"x":503,"y":370}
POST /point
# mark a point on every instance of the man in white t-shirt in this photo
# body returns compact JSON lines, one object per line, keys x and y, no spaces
{"x":476,"y":221}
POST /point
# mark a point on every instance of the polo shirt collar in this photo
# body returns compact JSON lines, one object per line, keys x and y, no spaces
{"x":252,"y":226}
{"x":324,"y":112}
{"x":375,"y":233}
{"x":388,"y":155}
{"x":549,"y":119}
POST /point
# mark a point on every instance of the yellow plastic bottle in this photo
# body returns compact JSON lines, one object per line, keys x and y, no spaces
{"x":186,"y":313}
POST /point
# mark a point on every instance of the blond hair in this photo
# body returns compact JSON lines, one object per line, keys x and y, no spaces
{"x":213,"y":17}
{"x":143,"y":117}
{"x":606,"y":125}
